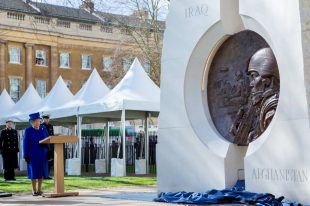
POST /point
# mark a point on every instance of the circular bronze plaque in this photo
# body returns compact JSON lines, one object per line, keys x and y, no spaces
{"x":243,"y":87}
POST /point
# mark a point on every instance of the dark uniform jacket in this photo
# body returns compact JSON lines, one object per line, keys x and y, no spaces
{"x":49,"y":128}
{"x":50,"y":147}
{"x":9,"y":148}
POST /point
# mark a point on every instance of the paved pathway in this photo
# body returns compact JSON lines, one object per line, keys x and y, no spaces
{"x":134,"y":195}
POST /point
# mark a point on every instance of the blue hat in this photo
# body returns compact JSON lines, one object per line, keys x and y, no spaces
{"x":34,"y":116}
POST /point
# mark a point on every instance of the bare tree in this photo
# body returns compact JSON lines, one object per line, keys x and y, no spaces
{"x":144,"y":27}
{"x":117,"y":71}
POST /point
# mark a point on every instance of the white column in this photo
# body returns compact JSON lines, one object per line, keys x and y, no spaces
{"x":107,"y":145}
{"x":123,"y":119}
{"x":79,"y":131}
{"x":147,"y":148}
{"x":79,"y":134}
{"x":29,"y":61}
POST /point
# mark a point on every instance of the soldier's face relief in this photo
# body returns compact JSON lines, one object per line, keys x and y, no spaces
{"x":258,"y":83}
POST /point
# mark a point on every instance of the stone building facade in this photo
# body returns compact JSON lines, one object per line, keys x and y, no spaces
{"x":39,"y":42}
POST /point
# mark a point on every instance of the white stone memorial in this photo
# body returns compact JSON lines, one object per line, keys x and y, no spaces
{"x":191,"y":154}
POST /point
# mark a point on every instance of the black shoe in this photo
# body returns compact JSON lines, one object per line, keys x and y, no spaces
{"x":48,"y":178}
{"x":39,"y":193}
{"x":10,"y":179}
{"x":35,"y":194}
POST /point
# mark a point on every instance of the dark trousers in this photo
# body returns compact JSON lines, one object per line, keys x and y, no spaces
{"x":9,"y":174}
{"x":50,"y":165}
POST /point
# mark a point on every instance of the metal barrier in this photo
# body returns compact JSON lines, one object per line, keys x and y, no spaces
{"x":94,"y":147}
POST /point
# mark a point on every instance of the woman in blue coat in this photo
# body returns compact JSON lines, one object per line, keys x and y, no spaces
{"x":35,"y":153}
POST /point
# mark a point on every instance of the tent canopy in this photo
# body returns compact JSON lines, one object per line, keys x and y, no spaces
{"x":92,"y":90}
{"x":6,"y":103}
{"x":29,"y":100}
{"x":135,"y":92}
{"x":59,"y":95}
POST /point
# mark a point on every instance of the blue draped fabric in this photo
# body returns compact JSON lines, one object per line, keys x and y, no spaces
{"x":236,"y":195}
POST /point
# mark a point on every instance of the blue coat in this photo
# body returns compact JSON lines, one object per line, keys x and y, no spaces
{"x":37,"y":168}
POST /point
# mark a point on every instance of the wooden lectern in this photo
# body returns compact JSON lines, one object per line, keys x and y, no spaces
{"x":58,"y":141}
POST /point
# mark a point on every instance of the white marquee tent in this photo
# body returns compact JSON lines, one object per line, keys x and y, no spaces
{"x":59,"y":95}
{"x":92,"y":90}
{"x":6,"y":103}
{"x":29,"y":100}
{"x":134,"y":97}
{"x":135,"y":92}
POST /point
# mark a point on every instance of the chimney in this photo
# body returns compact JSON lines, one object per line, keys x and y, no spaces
{"x":142,"y":14}
{"x":88,"y":5}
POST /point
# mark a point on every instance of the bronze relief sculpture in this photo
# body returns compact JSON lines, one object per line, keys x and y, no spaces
{"x":254,"y":117}
{"x":243,"y":88}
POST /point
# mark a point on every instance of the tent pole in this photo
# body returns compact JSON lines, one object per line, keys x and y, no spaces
{"x":124,"y":139}
{"x":107,"y":146}
{"x":147,"y":152}
{"x":79,"y":131}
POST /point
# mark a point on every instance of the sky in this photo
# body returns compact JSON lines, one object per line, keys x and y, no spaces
{"x":106,"y":6}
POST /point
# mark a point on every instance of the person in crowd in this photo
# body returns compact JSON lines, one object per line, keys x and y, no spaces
{"x":35,"y":153}
{"x":9,"y":150}
{"x":50,"y":147}
{"x":93,"y":150}
{"x":114,"y":149}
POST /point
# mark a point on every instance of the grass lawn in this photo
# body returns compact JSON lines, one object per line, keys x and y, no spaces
{"x":22,"y":184}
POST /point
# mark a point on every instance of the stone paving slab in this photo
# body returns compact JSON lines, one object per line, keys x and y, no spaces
{"x":135,"y":195}
{"x":129,"y":196}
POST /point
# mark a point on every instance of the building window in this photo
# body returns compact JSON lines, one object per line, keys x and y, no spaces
{"x":107,"y":64}
{"x":15,"y":84}
{"x":41,"y":88}
{"x":41,"y":20}
{"x":61,"y":23}
{"x":126,"y":31}
{"x":17,"y":16}
{"x":86,"y":27}
{"x":14,"y":55}
{"x":106,"y":29}
{"x":126,"y":63}
{"x":40,"y":57}
{"x":64,"y":59}
{"x":86,"y":61}
{"x":147,"y":66}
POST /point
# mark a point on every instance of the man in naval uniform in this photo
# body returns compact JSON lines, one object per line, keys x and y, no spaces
{"x":50,"y":150}
{"x":9,"y":149}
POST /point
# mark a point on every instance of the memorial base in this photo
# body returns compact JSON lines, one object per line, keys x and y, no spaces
{"x":65,"y":194}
